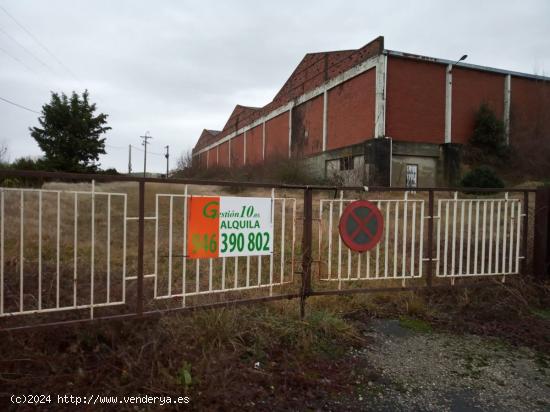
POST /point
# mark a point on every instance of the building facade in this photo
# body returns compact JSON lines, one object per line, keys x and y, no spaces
{"x":374,"y":116}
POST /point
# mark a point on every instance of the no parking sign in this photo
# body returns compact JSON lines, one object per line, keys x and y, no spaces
{"x":361,"y":225}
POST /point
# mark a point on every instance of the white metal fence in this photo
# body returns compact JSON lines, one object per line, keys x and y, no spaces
{"x":398,"y":255}
{"x":49,"y":244}
{"x":63,"y":250}
{"x":474,"y":237}
{"x":177,"y":276}
{"x":478,"y":237}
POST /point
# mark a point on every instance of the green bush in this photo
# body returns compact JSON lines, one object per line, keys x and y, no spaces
{"x":482,"y":176}
{"x":488,"y":132}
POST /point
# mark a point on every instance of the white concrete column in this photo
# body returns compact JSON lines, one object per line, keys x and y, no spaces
{"x":229,"y":161}
{"x":217,"y":155}
{"x":507,"y":102}
{"x":380,"y":102}
{"x":290,"y":131}
{"x":263,"y":141}
{"x":207,"y":157}
{"x":448,"y":102}
{"x":325,"y":118}
{"x":244,"y":148}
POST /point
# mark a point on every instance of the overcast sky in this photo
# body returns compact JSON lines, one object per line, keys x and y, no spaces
{"x":176,"y":67}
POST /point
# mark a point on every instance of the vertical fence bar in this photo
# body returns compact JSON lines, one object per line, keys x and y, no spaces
{"x":340,"y":242}
{"x":512,"y":224}
{"x":170,"y":231}
{"x":124,"y":237}
{"x":184,"y":252}
{"x":283,"y":218}
{"x":461,"y":248}
{"x":75,"y":249}
{"x":273,"y":251}
{"x":476,"y":239}
{"x":430,"y":237}
{"x":386,"y":241}
{"x":446,"y":243}
{"x":306,"y":249}
{"x":395,"y":239}
{"x":504,"y":235}
{"x":438,"y":241}
{"x":108,"y":248}
{"x":293,"y":238}
{"x":331,"y":204}
{"x":421,"y":241}
{"x":491,"y":224}
{"x":58,"y":252}
{"x":518,"y":225}
{"x":155,"y":292}
{"x":141,"y":247}
{"x":497,"y":238}
{"x":483,"y":237}
{"x":524,"y":263}
{"x":2,"y":251}
{"x":453,"y":256}
{"x":92,"y":253}
{"x":413,"y":237}
{"x":404,"y":246}
{"x":39,"y":249}
{"x":21,"y":249}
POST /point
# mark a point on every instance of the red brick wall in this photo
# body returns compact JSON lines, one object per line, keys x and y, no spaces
{"x":415,"y":100}
{"x":254,"y":145}
{"x":276,"y":137}
{"x":223,"y":155}
{"x":307,"y":118}
{"x":202,"y":160}
{"x":471,"y":88}
{"x":351,"y":111}
{"x":237,"y":151}
{"x":529,"y":110}
{"x":212,"y":158}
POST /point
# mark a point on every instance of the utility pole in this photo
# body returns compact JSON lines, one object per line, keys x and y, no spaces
{"x":167,"y":155}
{"x":129,"y":158}
{"x":145,"y":143}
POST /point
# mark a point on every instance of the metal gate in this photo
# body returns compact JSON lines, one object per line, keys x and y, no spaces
{"x":89,"y":252}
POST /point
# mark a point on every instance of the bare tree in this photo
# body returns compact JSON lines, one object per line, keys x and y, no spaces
{"x":4,"y":158}
{"x":185,"y":160}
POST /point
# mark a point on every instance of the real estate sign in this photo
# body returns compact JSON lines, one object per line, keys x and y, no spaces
{"x":224,"y":226}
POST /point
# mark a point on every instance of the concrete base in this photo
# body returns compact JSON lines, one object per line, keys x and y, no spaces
{"x":385,"y":162}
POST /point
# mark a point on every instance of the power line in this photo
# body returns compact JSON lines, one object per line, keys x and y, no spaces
{"x":18,"y":105}
{"x":17,"y":60}
{"x":26,"y":50}
{"x":39,"y":43}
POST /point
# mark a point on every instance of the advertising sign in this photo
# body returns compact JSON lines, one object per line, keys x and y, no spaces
{"x":223,"y":226}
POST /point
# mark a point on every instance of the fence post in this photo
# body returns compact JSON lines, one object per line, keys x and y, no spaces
{"x":141,"y":241}
{"x":525,"y":262}
{"x":306,"y":249}
{"x":430,"y":237}
{"x":541,"y":247}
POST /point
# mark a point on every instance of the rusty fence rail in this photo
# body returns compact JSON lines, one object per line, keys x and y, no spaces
{"x":434,"y":238}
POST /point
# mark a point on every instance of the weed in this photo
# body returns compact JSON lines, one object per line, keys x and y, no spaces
{"x":415,"y":325}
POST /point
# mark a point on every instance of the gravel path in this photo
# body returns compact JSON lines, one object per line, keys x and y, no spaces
{"x":426,"y":371}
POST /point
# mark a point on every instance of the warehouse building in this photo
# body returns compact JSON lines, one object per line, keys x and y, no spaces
{"x":374,"y":116}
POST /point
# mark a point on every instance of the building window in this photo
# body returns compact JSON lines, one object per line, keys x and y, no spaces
{"x":411,"y":178}
{"x":346,"y":163}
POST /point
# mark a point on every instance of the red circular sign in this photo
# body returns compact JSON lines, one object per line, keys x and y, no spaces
{"x":361,"y":225}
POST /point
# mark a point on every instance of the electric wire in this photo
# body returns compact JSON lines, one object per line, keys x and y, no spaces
{"x":18,"y":105}
{"x":42,"y":45}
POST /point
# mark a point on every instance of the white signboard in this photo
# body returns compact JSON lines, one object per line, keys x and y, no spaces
{"x":246,"y":226}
